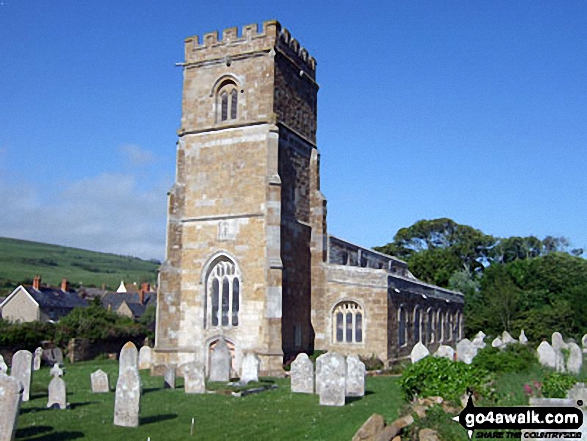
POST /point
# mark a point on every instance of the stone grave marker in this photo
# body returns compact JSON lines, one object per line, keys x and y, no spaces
{"x":220,"y":362}
{"x":445,"y":351}
{"x":466,"y":351}
{"x":575,"y":360}
{"x":249,"y":368}
{"x":22,"y":366}
{"x":546,"y":355}
{"x":57,"y":391}
{"x":10,"y":399}
{"x":100,"y":382}
{"x":507,"y":339}
{"x":584,"y":343}
{"x":145,"y":357}
{"x":56,"y":371}
{"x":37,"y":359}
{"x":478,"y":341}
{"x":194,"y":378}
{"x":52,"y":356}
{"x":330,"y":379}
{"x":355,"y":376}
{"x":497,"y":343}
{"x":523,"y":339}
{"x":129,"y":357}
{"x":169,"y":377}
{"x":419,"y":351}
{"x":3,"y":366}
{"x":302,"y":374}
{"x":128,"y":388}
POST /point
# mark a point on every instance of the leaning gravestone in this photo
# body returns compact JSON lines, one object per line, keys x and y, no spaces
{"x":419,"y":351}
{"x":249,"y":368}
{"x":3,"y":366}
{"x":355,"y":377}
{"x":330,"y":379}
{"x":22,"y":366}
{"x":169,"y":377}
{"x":194,"y":379}
{"x":523,"y":339}
{"x":507,"y":339}
{"x":100,"y":382}
{"x":145,"y":357}
{"x":497,"y":343}
{"x":302,"y":374}
{"x":575,"y":360}
{"x":10,"y":399}
{"x":57,"y":392}
{"x":478,"y":341}
{"x":37,"y":359}
{"x":445,"y":351}
{"x":466,"y":351}
{"x":128,"y":388}
{"x":220,"y":362}
{"x":546,"y":355}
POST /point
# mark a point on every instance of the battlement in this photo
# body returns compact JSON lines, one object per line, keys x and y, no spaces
{"x":271,"y":35}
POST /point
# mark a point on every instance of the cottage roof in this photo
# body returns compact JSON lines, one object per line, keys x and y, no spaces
{"x":48,"y":297}
{"x":132,"y":299}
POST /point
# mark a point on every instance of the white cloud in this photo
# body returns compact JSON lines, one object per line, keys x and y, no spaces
{"x":136,"y":156}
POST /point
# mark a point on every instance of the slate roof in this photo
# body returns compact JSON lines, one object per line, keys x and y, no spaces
{"x":56,"y":298}
{"x":132,"y":299}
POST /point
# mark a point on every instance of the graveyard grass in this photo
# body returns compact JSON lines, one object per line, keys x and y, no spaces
{"x":166,"y":414}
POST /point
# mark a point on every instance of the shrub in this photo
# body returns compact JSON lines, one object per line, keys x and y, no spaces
{"x":372,"y":363}
{"x":27,"y":335}
{"x":514,"y":358}
{"x":438,"y":376}
{"x":556,"y":385}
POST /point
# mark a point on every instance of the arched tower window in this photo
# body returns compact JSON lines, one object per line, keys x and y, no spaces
{"x":402,"y":328}
{"x":222,"y":295}
{"x":347,"y":319}
{"x":227,"y":101}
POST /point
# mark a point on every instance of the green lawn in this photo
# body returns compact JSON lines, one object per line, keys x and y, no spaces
{"x":167,"y":414}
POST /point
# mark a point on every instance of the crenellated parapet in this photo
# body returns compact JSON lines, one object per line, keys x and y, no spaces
{"x":250,"y":40}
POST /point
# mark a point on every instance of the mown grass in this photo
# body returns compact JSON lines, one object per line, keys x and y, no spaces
{"x":167,"y":414}
{"x":21,"y":260}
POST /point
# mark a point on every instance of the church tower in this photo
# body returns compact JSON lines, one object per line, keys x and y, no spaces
{"x":246,"y":221}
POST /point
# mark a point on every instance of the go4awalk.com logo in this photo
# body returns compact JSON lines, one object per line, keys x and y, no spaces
{"x":537,"y":419}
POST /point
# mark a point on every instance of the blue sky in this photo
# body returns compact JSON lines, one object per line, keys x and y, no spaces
{"x":471,"y":110}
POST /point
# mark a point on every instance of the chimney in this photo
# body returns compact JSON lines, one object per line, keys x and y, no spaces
{"x":145,"y":288}
{"x":64,"y":285}
{"x":37,"y":282}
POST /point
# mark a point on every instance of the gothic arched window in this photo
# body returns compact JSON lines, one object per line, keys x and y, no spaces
{"x":439,"y":326}
{"x":417,"y":325}
{"x":402,"y":328}
{"x":347,"y":319}
{"x":223,"y":294}
{"x":430,"y":327}
{"x":227,"y":101}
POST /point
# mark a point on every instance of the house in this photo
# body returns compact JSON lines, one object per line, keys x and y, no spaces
{"x":40,"y":303}
{"x":128,"y":303}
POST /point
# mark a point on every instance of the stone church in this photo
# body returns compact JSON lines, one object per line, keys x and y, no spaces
{"x":249,"y":257}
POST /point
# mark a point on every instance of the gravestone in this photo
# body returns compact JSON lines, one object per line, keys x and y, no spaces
{"x":507,"y":339}
{"x":355,"y":377}
{"x":497,"y":343}
{"x":523,"y":339}
{"x":100,"y":382}
{"x":52,"y":356}
{"x":558,"y":344}
{"x":57,"y":393}
{"x":10,"y":399}
{"x":193,"y":378}
{"x":546,"y":355}
{"x":169,"y":377}
{"x":557,"y":341}
{"x":37,"y":359}
{"x":466,"y":351}
{"x":419,"y":351}
{"x":330,"y":379}
{"x":249,"y":368}
{"x":575,"y":360}
{"x":220,"y":362}
{"x":56,"y":371}
{"x":3,"y":366}
{"x":22,"y":366}
{"x":145,"y":357}
{"x":478,"y":341}
{"x":128,"y":398}
{"x":445,"y":352}
{"x":129,"y":357}
{"x":584,"y":343}
{"x":302,"y":374}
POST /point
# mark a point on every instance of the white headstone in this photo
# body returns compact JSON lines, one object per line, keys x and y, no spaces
{"x":302,"y":375}
{"x":57,"y":393}
{"x":56,"y":371}
{"x":546,"y":355}
{"x":466,"y":351}
{"x":497,"y":343}
{"x":22,"y":366}
{"x":355,"y":376}
{"x":10,"y":399}
{"x":3,"y":366}
{"x":169,"y":377}
{"x":558,"y":342}
{"x":575,"y":360}
{"x":523,"y":339}
{"x":128,"y":398}
{"x":220,"y":362}
{"x":249,"y":368}
{"x":507,"y":339}
{"x":419,"y":351}
{"x":37,"y":359}
{"x":129,"y":357}
{"x":145,"y":357}
{"x":330,"y":379}
{"x":100,"y":382}
{"x":194,"y":378}
{"x":445,"y":352}
{"x":478,"y":341}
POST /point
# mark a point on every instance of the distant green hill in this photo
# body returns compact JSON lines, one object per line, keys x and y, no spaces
{"x":21,"y":260}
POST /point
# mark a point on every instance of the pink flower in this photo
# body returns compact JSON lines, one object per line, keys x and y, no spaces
{"x":528,"y":389}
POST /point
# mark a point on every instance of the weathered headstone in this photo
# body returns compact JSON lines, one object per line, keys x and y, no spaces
{"x":10,"y":399}
{"x":507,"y":339}
{"x":37,"y":359}
{"x":497,"y":343}
{"x":355,"y":376}
{"x":145,"y":357}
{"x":128,"y":398}
{"x":129,"y":357}
{"x":169,"y":377}
{"x":57,"y":393}
{"x":3,"y":366}
{"x":100,"y":382}
{"x":558,"y":341}
{"x":194,"y":378}
{"x":466,"y":351}
{"x":302,"y":374}
{"x":249,"y":368}
{"x":419,"y":351}
{"x":22,"y":366}
{"x":220,"y":362}
{"x":523,"y":339}
{"x":478,"y":341}
{"x":56,"y":371}
{"x":445,"y":352}
{"x":584,"y":343}
{"x":546,"y":355}
{"x":558,"y":344}
{"x":330,"y":379}
{"x":575,"y":360}
{"x":52,"y":356}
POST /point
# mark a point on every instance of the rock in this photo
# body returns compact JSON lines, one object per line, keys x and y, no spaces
{"x":428,"y":435}
{"x":372,"y":427}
